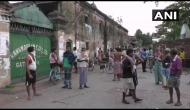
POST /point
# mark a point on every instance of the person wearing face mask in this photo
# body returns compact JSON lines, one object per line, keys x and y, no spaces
{"x":31,"y":72}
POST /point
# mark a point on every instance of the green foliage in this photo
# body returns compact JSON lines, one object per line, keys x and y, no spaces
{"x":143,"y":39}
{"x":175,"y":26}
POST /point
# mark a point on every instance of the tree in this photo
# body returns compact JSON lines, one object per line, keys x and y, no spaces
{"x":143,"y":39}
{"x":172,"y":29}
{"x":138,"y":34}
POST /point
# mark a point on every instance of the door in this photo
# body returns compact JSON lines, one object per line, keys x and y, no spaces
{"x":18,"y":48}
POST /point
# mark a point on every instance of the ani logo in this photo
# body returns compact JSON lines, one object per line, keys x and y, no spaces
{"x":165,"y":15}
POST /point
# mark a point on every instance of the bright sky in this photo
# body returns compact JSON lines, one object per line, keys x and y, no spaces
{"x":135,"y":14}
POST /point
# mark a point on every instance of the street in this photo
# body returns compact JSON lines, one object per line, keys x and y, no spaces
{"x":103,"y":93}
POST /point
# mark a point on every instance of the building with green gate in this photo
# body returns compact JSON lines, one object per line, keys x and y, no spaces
{"x":29,"y":27}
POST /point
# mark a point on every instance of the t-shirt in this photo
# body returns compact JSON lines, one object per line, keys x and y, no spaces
{"x":166,"y":62}
{"x":53,"y":58}
{"x":176,"y":66}
{"x":182,"y":55}
{"x":75,"y":54}
{"x":66,"y":63}
{"x":82,"y":56}
{"x":127,"y":69}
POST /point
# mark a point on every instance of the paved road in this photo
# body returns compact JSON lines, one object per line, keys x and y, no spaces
{"x":103,"y":93}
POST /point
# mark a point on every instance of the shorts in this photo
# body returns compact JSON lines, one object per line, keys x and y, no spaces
{"x":128,"y":83}
{"x":30,"y":81}
{"x":173,"y":81}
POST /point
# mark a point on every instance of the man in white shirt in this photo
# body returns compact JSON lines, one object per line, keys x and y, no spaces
{"x":83,"y":68}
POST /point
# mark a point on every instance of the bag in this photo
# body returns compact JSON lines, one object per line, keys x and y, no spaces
{"x":66,"y":63}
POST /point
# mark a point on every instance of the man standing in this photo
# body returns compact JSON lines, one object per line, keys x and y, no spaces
{"x":174,"y":79}
{"x":31,"y":72}
{"x":75,"y":63}
{"x":83,"y":68}
{"x":128,"y":84}
{"x":144,"y":57}
{"x":68,"y":61}
{"x":134,"y":60}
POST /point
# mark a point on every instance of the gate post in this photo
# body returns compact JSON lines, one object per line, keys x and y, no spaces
{"x":5,"y":77}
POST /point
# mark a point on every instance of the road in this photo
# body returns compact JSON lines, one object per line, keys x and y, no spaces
{"x":103,"y":93}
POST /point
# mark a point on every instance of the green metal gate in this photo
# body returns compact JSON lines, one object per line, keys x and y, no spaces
{"x":18,"y":48}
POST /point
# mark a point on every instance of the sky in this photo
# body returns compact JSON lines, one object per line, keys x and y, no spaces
{"x":135,"y":14}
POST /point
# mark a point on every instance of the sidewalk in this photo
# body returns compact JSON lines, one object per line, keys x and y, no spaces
{"x":18,"y":90}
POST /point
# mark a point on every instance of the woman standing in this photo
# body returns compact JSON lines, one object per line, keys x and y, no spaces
{"x":166,"y":67}
{"x":158,"y":67}
{"x":117,"y":64}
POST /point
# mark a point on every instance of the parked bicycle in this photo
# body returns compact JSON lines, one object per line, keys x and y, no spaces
{"x":55,"y":74}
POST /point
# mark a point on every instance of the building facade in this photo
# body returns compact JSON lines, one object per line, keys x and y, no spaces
{"x":52,"y":24}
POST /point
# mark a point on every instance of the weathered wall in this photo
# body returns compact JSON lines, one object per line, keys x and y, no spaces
{"x":4,"y":51}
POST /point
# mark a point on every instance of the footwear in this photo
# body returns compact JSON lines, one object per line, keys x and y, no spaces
{"x":80,"y":87}
{"x":128,"y":95}
{"x":137,"y":100}
{"x":37,"y":94}
{"x":86,"y":86}
{"x":69,"y":87}
{"x":123,"y":99}
{"x":65,"y":87}
{"x":125,"y":102}
{"x":178,"y":104}
{"x":169,"y":102}
{"x":113,"y":80}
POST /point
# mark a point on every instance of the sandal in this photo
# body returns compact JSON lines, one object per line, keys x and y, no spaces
{"x":169,"y":102}
{"x":178,"y":104}
{"x":37,"y":94}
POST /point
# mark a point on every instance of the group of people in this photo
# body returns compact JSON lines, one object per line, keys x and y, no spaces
{"x":167,"y":68}
{"x":71,"y":60}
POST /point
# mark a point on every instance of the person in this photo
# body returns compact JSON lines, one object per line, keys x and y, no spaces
{"x":174,"y":78}
{"x":166,"y":67}
{"x":150,"y":59}
{"x":83,"y":68}
{"x":117,"y":64}
{"x":144,"y":57}
{"x":75,"y":63}
{"x":100,"y":55}
{"x":128,"y":81}
{"x":182,"y":56}
{"x":135,"y":60}
{"x":111,"y":56}
{"x":31,"y":72}
{"x":68,"y":61}
{"x":158,"y":66}
{"x":53,"y":58}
